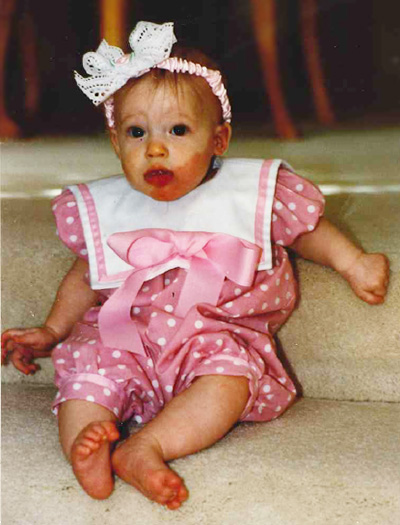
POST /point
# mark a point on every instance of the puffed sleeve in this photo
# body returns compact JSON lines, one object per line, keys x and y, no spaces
{"x":297,"y":208}
{"x":69,"y":226}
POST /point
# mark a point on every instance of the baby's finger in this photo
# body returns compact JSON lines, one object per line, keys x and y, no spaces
{"x":17,"y":359}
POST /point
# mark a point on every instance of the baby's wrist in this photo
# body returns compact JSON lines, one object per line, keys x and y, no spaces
{"x":53,"y":332}
{"x":346,"y":264}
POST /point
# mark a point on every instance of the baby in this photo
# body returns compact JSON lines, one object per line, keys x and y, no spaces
{"x":189,"y":277}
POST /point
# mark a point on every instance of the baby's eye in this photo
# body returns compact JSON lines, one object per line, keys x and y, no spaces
{"x":179,"y":130}
{"x":136,"y":132}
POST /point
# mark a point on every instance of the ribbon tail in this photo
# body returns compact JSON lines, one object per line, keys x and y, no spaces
{"x":203,"y":284}
{"x":117,"y":329}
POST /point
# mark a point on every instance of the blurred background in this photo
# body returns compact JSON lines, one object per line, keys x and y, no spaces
{"x":358,"y":43}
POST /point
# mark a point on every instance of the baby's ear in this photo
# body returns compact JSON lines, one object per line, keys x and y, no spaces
{"x":114,"y":141}
{"x":222,"y":138}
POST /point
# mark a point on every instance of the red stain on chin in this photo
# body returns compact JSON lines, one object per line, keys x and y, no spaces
{"x":185,"y":179}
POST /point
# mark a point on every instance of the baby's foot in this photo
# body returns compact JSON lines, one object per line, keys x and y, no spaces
{"x":139,"y":462}
{"x":90,"y":458}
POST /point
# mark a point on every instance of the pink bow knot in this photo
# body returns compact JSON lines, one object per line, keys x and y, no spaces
{"x":208,"y":258}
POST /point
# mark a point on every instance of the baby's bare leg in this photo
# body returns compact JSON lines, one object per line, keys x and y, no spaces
{"x":192,"y":421}
{"x":86,"y":433}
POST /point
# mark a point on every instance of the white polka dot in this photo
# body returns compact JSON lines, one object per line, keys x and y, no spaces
{"x":60,"y":361}
{"x":98,"y":359}
{"x":73,"y":238}
{"x":238,"y":291}
{"x":76,"y":386}
{"x":264,"y":287}
{"x":76,"y":354}
{"x":311,"y":208}
{"x":294,"y":218}
{"x":282,"y":380}
{"x":161,"y":341}
{"x":310,"y":227}
{"x":287,"y":276}
{"x":299,"y":187}
{"x":138,"y":419}
{"x":102,"y":371}
{"x":280,"y":242}
{"x":92,"y":342}
{"x":274,"y":217}
{"x":154,"y":314}
{"x":201,"y":339}
{"x":121,"y":367}
{"x":154,"y":296}
{"x":116,"y":354}
{"x":155,"y":383}
{"x":196,"y":355}
{"x":278,"y":205}
{"x":264,"y":306}
{"x":54,"y":207}
{"x":288,"y":295}
{"x":248,"y":294}
{"x":136,"y":310}
{"x":236,"y":362}
{"x":167,"y":281}
{"x":270,"y":272}
{"x":219,"y":342}
{"x":288,"y":231}
{"x":227,"y":350}
{"x":220,"y":369}
{"x":277,"y":300}
{"x":150,"y":393}
{"x":70,"y":220}
{"x":171,"y":322}
{"x":60,"y":345}
{"x":84,"y":252}
{"x":62,"y":400}
{"x":116,"y":411}
{"x":237,"y":331}
{"x":292,"y":206}
{"x":268,"y":348}
{"x":169,"y":308}
{"x":185,"y":340}
{"x":88,"y":367}
{"x":145,"y":288}
{"x":71,"y":204}
{"x":278,"y":282}
{"x":107,"y":392}
{"x":207,"y":362}
{"x":198,"y":324}
{"x":270,"y":396}
{"x":251,"y":311}
{"x":168,"y":388}
{"x":90,"y":398}
{"x":278,"y":408}
{"x":229,"y":305}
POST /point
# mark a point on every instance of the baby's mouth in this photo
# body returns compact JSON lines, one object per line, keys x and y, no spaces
{"x":158,"y":177}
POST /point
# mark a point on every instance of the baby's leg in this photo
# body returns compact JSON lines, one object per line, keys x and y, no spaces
{"x":87,"y":431}
{"x":192,"y":421}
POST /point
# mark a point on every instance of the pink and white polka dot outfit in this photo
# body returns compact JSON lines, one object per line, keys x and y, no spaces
{"x":232,"y":337}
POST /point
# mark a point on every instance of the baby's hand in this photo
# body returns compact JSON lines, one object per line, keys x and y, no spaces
{"x":369,"y":277}
{"x":22,"y":346}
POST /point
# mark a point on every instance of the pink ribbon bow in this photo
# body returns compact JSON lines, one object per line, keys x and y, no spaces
{"x":208,"y":258}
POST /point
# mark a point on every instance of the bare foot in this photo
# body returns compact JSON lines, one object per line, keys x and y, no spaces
{"x":90,"y":458}
{"x":139,"y":462}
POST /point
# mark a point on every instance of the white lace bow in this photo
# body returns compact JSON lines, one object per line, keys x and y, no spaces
{"x":109,"y":68}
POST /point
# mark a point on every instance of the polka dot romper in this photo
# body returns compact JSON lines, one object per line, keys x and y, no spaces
{"x":235,"y":337}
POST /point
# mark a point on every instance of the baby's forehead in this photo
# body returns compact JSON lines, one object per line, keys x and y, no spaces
{"x":180,"y":93}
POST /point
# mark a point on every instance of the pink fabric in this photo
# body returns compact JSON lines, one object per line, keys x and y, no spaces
{"x":235,"y":337}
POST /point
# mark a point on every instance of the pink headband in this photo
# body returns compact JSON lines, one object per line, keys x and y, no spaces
{"x":110,"y":68}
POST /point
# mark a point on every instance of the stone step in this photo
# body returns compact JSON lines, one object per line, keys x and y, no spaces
{"x":321,"y":462}
{"x":338,"y":347}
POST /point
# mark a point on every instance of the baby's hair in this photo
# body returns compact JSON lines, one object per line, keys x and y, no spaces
{"x":174,"y":78}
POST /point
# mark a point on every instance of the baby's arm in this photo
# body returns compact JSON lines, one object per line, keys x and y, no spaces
{"x":367,"y":273}
{"x":74,"y":298}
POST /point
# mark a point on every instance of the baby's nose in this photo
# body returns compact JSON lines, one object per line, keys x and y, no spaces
{"x":156,"y":148}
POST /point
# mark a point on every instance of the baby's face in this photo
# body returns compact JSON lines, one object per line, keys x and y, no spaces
{"x":165,"y":142}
